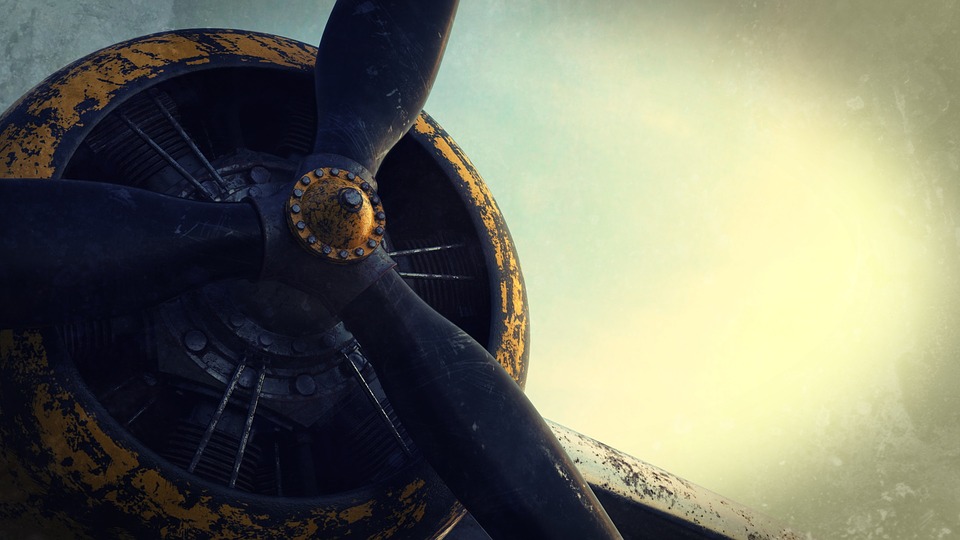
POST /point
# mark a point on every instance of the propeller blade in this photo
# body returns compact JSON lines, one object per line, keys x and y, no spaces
{"x":375,"y":66}
{"x":76,"y":249}
{"x":472,"y":421}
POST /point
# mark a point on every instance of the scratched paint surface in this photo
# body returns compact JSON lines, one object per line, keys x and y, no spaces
{"x":512,"y":317}
{"x":52,"y":439}
{"x":852,"y":431}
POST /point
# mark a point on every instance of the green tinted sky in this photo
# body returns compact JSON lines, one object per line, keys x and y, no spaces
{"x":738,"y":223}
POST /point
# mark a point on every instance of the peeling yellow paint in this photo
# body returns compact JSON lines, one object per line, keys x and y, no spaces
{"x":269,"y":48}
{"x":65,"y":440}
{"x":59,"y":433}
{"x":413,"y":496}
{"x":512,"y":341}
{"x":411,"y":488}
{"x":27,"y":151}
{"x":356,"y":513}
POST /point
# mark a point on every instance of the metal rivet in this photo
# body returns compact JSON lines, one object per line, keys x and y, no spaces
{"x":299,"y":346}
{"x":318,"y":172}
{"x":335,"y":172}
{"x":301,"y":225}
{"x":265,"y":339}
{"x":351,"y":176}
{"x":371,"y":243}
{"x":378,"y":230}
{"x":305,"y":385}
{"x":298,"y":193}
{"x":326,"y":250}
{"x":343,"y":254}
{"x":195,"y":340}
{"x":381,"y":215}
{"x":305,"y":180}
{"x":311,"y":239}
{"x":375,"y":199}
{"x":365,"y":186}
{"x":358,"y":252}
{"x":295,"y":209}
{"x":236,"y":319}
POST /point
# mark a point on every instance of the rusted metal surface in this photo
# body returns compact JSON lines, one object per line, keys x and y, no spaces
{"x":68,"y":469}
{"x":647,"y":502}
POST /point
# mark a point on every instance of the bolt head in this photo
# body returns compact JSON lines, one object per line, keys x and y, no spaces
{"x":371,"y":243}
{"x":305,"y":385}
{"x":195,"y":340}
{"x":358,"y":252}
{"x":350,"y":199}
{"x":343,"y":254}
{"x":295,"y":209}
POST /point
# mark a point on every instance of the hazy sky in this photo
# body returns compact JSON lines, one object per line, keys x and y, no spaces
{"x":738,"y":223}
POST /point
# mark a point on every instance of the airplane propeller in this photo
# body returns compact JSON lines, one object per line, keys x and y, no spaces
{"x":74,"y":249}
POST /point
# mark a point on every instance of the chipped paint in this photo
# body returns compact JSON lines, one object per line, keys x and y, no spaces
{"x":32,"y":136}
{"x":647,"y":491}
{"x":356,"y":513}
{"x":57,"y":453}
{"x":410,"y":513}
{"x":511,"y":322}
{"x":75,"y":449}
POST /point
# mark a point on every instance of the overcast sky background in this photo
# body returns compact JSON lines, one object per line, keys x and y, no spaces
{"x":739,"y":224}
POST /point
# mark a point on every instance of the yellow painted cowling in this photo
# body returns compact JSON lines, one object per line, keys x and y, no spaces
{"x":69,"y":466}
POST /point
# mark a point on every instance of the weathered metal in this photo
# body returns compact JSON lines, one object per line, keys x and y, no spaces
{"x":336,"y":215}
{"x":63,"y":452}
{"x":648,"y":502}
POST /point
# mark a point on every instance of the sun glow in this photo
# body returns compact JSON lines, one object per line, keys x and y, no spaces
{"x":752,"y":265}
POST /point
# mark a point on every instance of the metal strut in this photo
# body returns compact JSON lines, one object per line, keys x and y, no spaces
{"x":248,"y":426}
{"x":201,"y":189}
{"x":445,"y":277}
{"x":414,"y":251}
{"x":376,"y":403}
{"x":227,"y":392}
{"x":221,"y":183}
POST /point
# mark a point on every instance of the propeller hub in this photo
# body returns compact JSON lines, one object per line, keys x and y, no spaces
{"x":336,"y":214}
